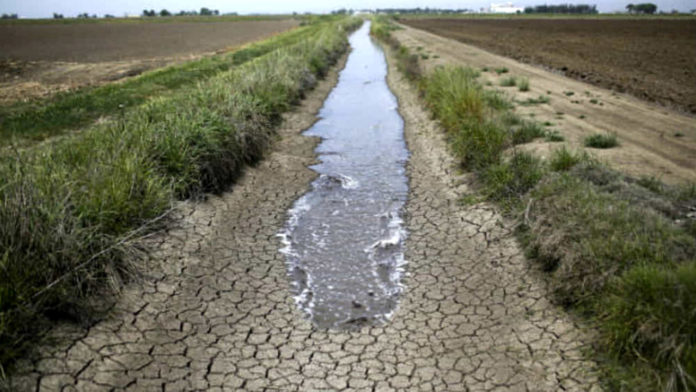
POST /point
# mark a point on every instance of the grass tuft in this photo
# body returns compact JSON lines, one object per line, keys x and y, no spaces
{"x":553,"y":136}
{"x":542,"y":99}
{"x":601,"y":140}
{"x":527,"y":132}
{"x":508,"y":82}
{"x":523,"y":84}
{"x":507,"y":181}
{"x":501,"y":70}
{"x":563,"y":160}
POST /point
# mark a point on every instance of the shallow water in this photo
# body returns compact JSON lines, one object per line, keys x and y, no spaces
{"x":344,"y":238}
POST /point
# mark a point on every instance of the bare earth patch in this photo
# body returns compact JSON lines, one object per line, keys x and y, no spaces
{"x":653,"y":140}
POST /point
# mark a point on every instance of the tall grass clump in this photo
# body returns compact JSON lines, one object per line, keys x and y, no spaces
{"x":459,"y":102}
{"x":508,"y":82}
{"x":563,"y":160}
{"x":69,"y":208}
{"x":601,"y":140}
{"x":523,"y":84}
{"x":527,"y":132}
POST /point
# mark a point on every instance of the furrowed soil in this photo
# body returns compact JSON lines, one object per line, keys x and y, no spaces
{"x":39,"y":60}
{"x":653,"y":140}
{"x":650,"y":59}
{"x":216,"y":311}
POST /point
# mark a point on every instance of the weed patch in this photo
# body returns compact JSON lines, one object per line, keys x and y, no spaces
{"x":542,"y":99}
{"x":564,"y":160}
{"x":601,"y":140}
{"x":508,"y":82}
{"x":501,"y":70}
{"x":527,"y":132}
{"x":523,"y":84}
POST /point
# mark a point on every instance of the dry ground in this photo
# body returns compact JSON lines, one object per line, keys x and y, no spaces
{"x":651,"y":59}
{"x":216,"y":311}
{"x":38,"y":60}
{"x":655,"y":141}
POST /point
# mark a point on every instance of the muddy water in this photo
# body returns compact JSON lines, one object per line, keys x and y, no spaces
{"x":344,"y":238}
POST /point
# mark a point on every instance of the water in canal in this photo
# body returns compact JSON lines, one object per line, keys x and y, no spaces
{"x":344,"y":238}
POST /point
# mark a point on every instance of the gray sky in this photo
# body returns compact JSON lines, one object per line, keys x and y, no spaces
{"x":45,"y":8}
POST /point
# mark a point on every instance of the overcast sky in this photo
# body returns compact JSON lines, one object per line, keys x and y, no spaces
{"x":45,"y":8}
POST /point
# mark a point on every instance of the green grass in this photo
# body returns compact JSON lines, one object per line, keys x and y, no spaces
{"x":564,"y":160}
{"x":553,"y":136}
{"x":540,"y":100}
{"x":618,"y":251}
{"x":601,"y":140}
{"x":523,"y":84}
{"x":501,"y":70}
{"x":527,"y":132}
{"x":505,"y":181}
{"x":508,"y":82}
{"x":68,"y":206}
{"x":26,"y":122}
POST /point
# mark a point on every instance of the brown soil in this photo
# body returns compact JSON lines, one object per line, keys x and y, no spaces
{"x":654,"y":141}
{"x":650,"y":59}
{"x":40,"y":60}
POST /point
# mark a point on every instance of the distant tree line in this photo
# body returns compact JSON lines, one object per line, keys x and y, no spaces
{"x":9,"y":16}
{"x":419,"y":10}
{"x":203,"y":12}
{"x":642,"y":8}
{"x":562,"y":9}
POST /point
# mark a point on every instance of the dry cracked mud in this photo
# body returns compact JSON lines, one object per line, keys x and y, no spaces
{"x":216,"y":312}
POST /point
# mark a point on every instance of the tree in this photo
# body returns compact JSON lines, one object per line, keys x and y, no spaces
{"x":165,"y":13}
{"x":206,"y":12}
{"x":9,"y":16}
{"x":642,"y":8}
{"x":57,"y":16}
{"x":149,"y":13}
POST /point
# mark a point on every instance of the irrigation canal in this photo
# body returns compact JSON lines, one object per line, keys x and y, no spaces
{"x":344,"y":238}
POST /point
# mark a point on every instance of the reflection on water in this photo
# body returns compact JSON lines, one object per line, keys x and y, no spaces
{"x":344,"y":238}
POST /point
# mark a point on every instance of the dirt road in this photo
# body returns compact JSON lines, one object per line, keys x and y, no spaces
{"x":654,"y":141}
{"x":218,"y":314}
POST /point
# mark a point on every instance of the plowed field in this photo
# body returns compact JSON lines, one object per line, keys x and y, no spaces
{"x":650,"y":59}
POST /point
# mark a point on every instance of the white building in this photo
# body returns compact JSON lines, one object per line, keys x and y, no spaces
{"x":505,"y":8}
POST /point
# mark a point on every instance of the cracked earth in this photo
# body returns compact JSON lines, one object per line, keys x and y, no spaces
{"x":215,"y":311}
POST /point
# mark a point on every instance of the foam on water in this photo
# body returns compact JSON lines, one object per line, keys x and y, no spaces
{"x":343,"y":241}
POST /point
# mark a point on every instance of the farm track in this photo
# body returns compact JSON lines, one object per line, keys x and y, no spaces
{"x":215,"y":310}
{"x":645,"y":131}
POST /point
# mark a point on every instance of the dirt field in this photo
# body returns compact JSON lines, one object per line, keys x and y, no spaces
{"x":38,"y":60}
{"x":654,"y":141}
{"x":650,"y":59}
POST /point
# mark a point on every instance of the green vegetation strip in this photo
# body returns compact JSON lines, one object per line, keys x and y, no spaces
{"x":68,"y":208}
{"x":41,"y":119}
{"x":619,"y":251}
